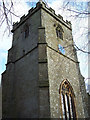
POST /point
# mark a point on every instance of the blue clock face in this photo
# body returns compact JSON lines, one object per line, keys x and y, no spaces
{"x":61,"y":49}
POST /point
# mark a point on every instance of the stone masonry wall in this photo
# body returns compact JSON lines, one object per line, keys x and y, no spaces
{"x":60,"y":66}
{"x":20,"y":90}
{"x":44,"y":103}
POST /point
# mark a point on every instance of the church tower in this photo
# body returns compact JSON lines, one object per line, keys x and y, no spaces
{"x":42,"y":77}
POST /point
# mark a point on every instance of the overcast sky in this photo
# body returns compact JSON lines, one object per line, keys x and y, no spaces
{"x":78,"y":26}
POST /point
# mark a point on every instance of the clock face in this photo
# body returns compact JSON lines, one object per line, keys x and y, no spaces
{"x":61,"y":49}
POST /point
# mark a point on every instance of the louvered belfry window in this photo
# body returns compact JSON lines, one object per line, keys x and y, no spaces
{"x":59,"y":32}
{"x":26,"y":30}
{"x":67,"y":101}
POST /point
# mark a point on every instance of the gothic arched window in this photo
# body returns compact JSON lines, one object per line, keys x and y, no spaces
{"x":59,"y":32}
{"x":26,"y":31}
{"x":67,"y":101}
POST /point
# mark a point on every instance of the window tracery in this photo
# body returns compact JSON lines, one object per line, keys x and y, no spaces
{"x":59,"y":32}
{"x":67,"y":101}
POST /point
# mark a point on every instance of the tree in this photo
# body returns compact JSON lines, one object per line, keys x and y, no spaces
{"x":7,"y":13}
{"x":79,"y":11}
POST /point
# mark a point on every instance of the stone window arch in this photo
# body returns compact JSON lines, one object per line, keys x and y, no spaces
{"x":59,"y":32}
{"x":67,"y":101}
{"x":26,"y":30}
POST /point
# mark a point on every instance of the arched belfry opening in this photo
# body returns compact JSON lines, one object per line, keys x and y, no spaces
{"x":59,"y":32}
{"x":26,"y":30}
{"x":67,"y":101}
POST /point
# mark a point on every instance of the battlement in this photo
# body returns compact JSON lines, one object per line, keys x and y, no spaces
{"x":15,"y":25}
{"x":30,"y":11}
{"x":52,"y":10}
{"x":60,"y":16}
{"x":22,"y":18}
{"x":43,"y":6}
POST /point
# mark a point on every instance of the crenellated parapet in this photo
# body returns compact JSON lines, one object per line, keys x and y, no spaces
{"x":15,"y":25}
{"x":42,"y":77}
{"x":52,"y":10}
{"x":33,"y":10}
{"x":60,"y":16}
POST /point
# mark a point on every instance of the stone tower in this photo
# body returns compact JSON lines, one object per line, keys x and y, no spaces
{"x":42,"y":77}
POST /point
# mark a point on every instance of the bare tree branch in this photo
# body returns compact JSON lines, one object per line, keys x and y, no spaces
{"x":78,"y":49}
{"x":83,"y":12}
{"x":7,"y":14}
